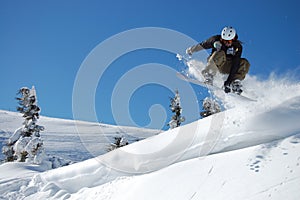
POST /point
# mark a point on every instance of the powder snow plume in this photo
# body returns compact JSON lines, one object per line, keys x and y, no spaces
{"x":267,"y":93}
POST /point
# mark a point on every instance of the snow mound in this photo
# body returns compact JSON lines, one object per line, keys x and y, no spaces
{"x":267,"y":171}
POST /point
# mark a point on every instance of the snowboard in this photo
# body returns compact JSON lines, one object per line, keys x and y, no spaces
{"x":212,"y":88}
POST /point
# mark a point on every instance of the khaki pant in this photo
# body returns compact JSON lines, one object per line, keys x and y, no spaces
{"x":218,"y":62}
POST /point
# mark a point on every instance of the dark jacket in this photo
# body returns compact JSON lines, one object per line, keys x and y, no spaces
{"x":235,"y":58}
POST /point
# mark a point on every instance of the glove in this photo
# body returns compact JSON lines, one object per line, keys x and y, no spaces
{"x":218,"y":45}
{"x":189,"y":51}
{"x":227,"y":88}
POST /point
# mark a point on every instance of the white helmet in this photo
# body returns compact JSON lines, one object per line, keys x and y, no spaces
{"x":228,"y":33}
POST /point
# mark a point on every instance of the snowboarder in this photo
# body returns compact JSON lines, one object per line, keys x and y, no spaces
{"x":225,"y":58}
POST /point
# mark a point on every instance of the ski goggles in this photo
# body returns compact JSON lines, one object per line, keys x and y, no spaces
{"x":227,"y":43}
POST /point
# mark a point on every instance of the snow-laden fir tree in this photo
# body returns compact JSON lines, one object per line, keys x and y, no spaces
{"x":210,"y":106}
{"x":175,"y":106}
{"x":119,"y":142}
{"x":26,"y":145}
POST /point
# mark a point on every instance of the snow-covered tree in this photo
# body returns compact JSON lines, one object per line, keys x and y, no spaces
{"x":175,"y":106}
{"x":210,"y":106}
{"x":26,"y":145}
{"x":119,"y":142}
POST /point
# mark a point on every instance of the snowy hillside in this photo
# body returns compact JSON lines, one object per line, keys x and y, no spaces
{"x":61,"y":137}
{"x":250,"y":151}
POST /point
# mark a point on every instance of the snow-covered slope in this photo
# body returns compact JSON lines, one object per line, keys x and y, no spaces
{"x":72,"y":140}
{"x":248,"y":152}
{"x":268,"y":171}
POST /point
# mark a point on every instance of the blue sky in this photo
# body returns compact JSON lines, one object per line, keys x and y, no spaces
{"x":44,"y":43}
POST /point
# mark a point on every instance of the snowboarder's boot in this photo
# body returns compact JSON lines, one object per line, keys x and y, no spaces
{"x":237,"y":87}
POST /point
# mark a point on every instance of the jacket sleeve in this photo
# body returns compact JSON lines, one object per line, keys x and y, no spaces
{"x":236,"y":59}
{"x":206,"y":44}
